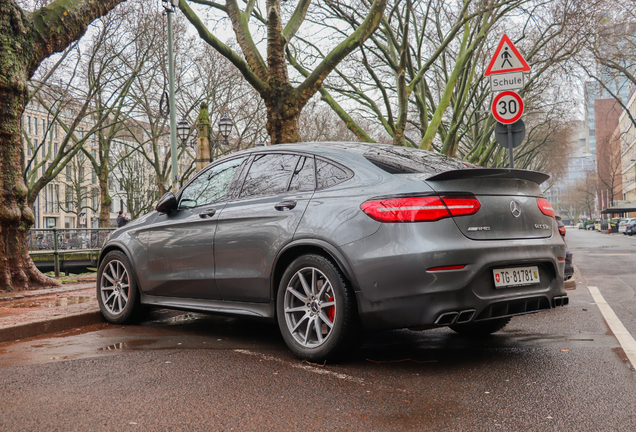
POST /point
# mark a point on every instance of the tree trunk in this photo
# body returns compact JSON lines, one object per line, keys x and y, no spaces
{"x":25,"y":40}
{"x":105,"y":200}
{"x":283,"y":112}
{"x":17,"y":270}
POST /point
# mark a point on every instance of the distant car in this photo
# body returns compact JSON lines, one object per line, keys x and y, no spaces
{"x":569,"y":267}
{"x":630,"y":226}
{"x":329,"y":238}
{"x":580,"y":225}
{"x":612,"y":224}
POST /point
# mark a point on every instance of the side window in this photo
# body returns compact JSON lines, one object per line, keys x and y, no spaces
{"x":330,"y":174}
{"x":269,"y":174}
{"x":210,"y":186}
{"x":304,"y":178}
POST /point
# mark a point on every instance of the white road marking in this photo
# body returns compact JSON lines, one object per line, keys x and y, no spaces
{"x":624,"y":337}
{"x":308,"y":368}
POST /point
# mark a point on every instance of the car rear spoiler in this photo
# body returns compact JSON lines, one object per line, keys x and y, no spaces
{"x":475,"y":173}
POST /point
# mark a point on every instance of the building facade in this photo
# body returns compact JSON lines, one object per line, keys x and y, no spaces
{"x":72,"y":198}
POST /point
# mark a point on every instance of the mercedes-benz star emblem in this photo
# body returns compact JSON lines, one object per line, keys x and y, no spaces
{"x":515,"y":209}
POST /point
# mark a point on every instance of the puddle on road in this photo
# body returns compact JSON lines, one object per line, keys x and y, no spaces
{"x":46,"y":303}
{"x":128,"y":344}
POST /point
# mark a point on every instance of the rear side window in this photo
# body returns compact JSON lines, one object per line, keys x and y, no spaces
{"x":304,"y":178}
{"x":329,"y":174}
{"x":269,"y":174}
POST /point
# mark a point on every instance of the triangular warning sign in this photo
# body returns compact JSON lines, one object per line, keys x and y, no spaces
{"x":506,"y":59}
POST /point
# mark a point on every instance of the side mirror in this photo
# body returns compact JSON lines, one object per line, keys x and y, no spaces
{"x":167,"y":203}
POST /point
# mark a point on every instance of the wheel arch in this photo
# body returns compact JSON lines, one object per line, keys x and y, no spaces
{"x":123,"y":249}
{"x":296,"y":249}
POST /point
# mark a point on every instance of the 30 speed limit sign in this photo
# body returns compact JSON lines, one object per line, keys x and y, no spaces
{"x":507,"y":107}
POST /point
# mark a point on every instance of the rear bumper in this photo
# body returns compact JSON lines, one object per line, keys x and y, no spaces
{"x":396,"y":289}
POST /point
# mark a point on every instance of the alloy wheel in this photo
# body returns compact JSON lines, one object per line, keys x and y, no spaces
{"x":310,"y":307}
{"x":115,"y":287}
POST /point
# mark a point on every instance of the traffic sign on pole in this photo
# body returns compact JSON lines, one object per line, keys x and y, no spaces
{"x":506,"y":59}
{"x":507,"y":107}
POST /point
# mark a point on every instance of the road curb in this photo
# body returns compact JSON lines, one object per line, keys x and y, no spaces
{"x":50,"y":325}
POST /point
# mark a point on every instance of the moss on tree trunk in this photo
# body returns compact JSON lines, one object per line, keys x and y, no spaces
{"x":25,"y":40}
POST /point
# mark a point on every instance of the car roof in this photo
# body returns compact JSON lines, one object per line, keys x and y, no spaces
{"x":390,"y":158}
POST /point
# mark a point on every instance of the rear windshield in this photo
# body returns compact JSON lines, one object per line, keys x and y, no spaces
{"x":404,"y":160}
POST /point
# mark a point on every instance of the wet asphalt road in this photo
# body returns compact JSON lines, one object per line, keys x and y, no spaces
{"x":561,"y":370}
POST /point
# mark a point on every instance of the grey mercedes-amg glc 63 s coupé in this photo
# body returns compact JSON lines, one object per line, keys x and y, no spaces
{"x":332,"y":238}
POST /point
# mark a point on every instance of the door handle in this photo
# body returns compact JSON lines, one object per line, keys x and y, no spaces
{"x":285,"y":205}
{"x":207,"y":213}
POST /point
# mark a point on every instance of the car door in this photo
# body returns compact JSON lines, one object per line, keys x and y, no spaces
{"x":263,"y":218}
{"x":181,"y":243}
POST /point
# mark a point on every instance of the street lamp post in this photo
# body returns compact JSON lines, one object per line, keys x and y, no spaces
{"x":225,"y":128}
{"x":183,"y":131}
{"x":171,"y":6}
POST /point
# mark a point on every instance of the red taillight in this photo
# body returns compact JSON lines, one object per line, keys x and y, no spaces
{"x":562,"y":230}
{"x":545,"y":207}
{"x":420,"y":209}
{"x":462,"y":206}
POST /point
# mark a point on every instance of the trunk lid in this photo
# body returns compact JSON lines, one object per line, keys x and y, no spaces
{"x":508,"y":199}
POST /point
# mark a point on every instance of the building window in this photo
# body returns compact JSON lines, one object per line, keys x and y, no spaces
{"x":43,"y":127}
{"x":94,"y":199}
{"x":93,"y":176}
{"x":35,"y":126}
{"x":69,"y":198}
{"x":55,"y":130}
{"x":69,"y":176}
{"x":69,"y":222}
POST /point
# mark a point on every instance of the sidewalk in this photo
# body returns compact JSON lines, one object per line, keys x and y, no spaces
{"x":26,"y":314}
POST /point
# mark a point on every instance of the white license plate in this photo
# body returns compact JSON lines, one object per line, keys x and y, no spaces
{"x":510,"y":277}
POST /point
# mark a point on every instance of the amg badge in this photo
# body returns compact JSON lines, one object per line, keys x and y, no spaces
{"x":478,"y":228}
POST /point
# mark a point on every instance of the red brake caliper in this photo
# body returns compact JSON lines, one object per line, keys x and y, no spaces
{"x":331,"y":313}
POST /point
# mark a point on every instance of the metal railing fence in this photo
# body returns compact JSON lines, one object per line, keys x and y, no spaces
{"x":63,"y":240}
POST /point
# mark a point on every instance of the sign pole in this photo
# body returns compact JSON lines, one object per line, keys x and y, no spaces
{"x":510,"y":145}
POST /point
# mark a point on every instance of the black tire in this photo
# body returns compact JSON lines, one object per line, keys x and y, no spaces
{"x":324,"y":301}
{"x":117,"y":292}
{"x":482,"y":328}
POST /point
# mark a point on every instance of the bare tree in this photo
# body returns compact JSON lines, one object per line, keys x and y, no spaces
{"x":269,"y":76}
{"x":423,"y":72}
{"x":78,"y":190}
{"x":134,"y":184}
